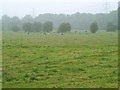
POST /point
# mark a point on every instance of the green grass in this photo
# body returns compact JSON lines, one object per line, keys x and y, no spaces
{"x":71,"y":60}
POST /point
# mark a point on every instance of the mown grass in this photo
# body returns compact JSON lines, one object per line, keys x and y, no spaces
{"x":60,"y":61}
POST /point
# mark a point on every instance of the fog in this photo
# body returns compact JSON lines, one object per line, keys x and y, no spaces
{"x":35,"y":7}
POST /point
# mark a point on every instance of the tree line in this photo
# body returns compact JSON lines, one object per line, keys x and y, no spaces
{"x":46,"y":27}
{"x":64,"y":27}
{"x":77,"y":21}
{"x":38,"y":27}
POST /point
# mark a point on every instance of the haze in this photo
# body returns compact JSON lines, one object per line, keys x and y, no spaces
{"x":35,"y":7}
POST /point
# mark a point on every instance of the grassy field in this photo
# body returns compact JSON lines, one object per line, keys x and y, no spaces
{"x":60,"y":61}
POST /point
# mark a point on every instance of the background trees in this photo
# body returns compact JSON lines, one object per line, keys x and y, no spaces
{"x":37,"y":27}
{"x":47,"y":26}
{"x":15,"y":28}
{"x":64,"y":27}
{"x":111,"y":27}
{"x":9,"y":23}
{"x":27,"y":27}
{"x":78,"y":21}
{"x":94,"y":27}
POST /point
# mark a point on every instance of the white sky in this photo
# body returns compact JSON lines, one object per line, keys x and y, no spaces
{"x":22,"y":7}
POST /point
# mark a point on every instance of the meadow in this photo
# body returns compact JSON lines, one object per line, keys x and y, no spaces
{"x":72,"y":60}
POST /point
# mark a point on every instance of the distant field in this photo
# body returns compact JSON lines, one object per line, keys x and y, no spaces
{"x":60,"y":61}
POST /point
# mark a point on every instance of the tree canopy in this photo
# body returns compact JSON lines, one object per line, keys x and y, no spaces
{"x":111,"y":27}
{"x":37,"y":27}
{"x":27,"y":27}
{"x":64,"y":27}
{"x":78,"y":21}
{"x":47,"y":26}
{"x":94,"y":27}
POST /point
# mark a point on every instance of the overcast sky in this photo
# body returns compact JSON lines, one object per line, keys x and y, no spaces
{"x":22,"y":7}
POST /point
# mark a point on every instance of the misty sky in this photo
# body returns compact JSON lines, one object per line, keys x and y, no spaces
{"x":22,"y":7}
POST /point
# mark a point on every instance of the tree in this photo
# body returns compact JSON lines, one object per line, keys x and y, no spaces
{"x":15,"y":28}
{"x":47,"y":26}
{"x":27,"y":18}
{"x":94,"y":27}
{"x":27,"y":27}
{"x":111,"y":27}
{"x":64,"y":27}
{"x":37,"y":27}
{"x":6,"y":23}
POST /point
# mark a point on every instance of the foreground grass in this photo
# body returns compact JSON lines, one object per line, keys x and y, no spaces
{"x":71,"y":60}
